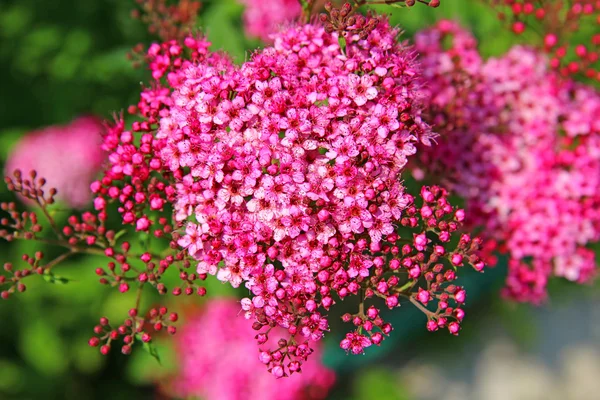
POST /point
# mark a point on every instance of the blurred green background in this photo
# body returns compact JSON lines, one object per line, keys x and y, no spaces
{"x":63,"y":58}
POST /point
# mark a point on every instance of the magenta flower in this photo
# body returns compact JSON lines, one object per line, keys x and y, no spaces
{"x":307,"y":147}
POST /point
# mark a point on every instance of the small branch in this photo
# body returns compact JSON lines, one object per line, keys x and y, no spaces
{"x":407,"y":285}
{"x":307,"y":6}
{"x":49,"y":218}
{"x":58,"y":260}
{"x":138,"y":296}
{"x":421,"y":307}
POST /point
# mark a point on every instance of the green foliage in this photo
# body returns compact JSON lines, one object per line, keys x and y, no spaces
{"x":379,"y":383}
{"x":222,"y":24}
{"x":56,"y":279}
{"x":42,"y":347}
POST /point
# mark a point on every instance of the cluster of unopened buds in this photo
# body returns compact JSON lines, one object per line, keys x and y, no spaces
{"x":283,"y":174}
{"x":345,"y":22}
{"x":132,"y":329}
{"x":168,"y":20}
{"x":569,"y":31}
{"x":400,"y":279}
{"x":86,"y":233}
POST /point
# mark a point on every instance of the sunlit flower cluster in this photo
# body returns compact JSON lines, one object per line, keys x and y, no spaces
{"x":288,"y":174}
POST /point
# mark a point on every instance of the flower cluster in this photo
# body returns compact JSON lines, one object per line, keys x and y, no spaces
{"x":263,"y":17}
{"x":68,"y":156}
{"x":569,"y":28}
{"x":216,"y":358}
{"x":522,"y":146}
{"x":288,"y":173}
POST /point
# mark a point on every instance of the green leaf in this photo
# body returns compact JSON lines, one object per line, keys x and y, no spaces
{"x":398,"y":5}
{"x":56,"y":279}
{"x":120,"y":234}
{"x":342,"y":43}
{"x":150,"y":348}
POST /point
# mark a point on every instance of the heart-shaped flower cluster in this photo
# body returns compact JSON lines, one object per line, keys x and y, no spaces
{"x":289,"y":180}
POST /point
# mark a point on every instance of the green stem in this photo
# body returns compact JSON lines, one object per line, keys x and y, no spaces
{"x":307,"y":6}
{"x":407,"y":285}
{"x":421,"y":307}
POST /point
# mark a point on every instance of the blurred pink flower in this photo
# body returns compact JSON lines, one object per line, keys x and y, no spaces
{"x":263,"y":17}
{"x":218,"y":360}
{"x":67,"y":156}
{"x":522,"y":147}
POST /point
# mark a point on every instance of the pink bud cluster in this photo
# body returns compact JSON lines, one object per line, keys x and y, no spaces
{"x":288,"y":175}
{"x":263,"y":17}
{"x":522,"y":146}
{"x":69,"y":157}
{"x":216,"y":358}
{"x":133,"y":328}
{"x":569,"y":28}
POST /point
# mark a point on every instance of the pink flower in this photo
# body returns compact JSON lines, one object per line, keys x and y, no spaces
{"x":520,"y":144}
{"x":192,"y":240}
{"x":355,"y":343}
{"x":264,"y":17}
{"x":217,"y":359}
{"x":67,"y":156}
{"x":360,"y":89}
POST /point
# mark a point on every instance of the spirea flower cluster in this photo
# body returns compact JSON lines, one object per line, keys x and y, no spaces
{"x":216,"y":358}
{"x":68,"y":156}
{"x":288,"y":176}
{"x":522,"y":146}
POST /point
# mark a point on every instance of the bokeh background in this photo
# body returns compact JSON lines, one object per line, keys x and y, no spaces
{"x":63,"y":58}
